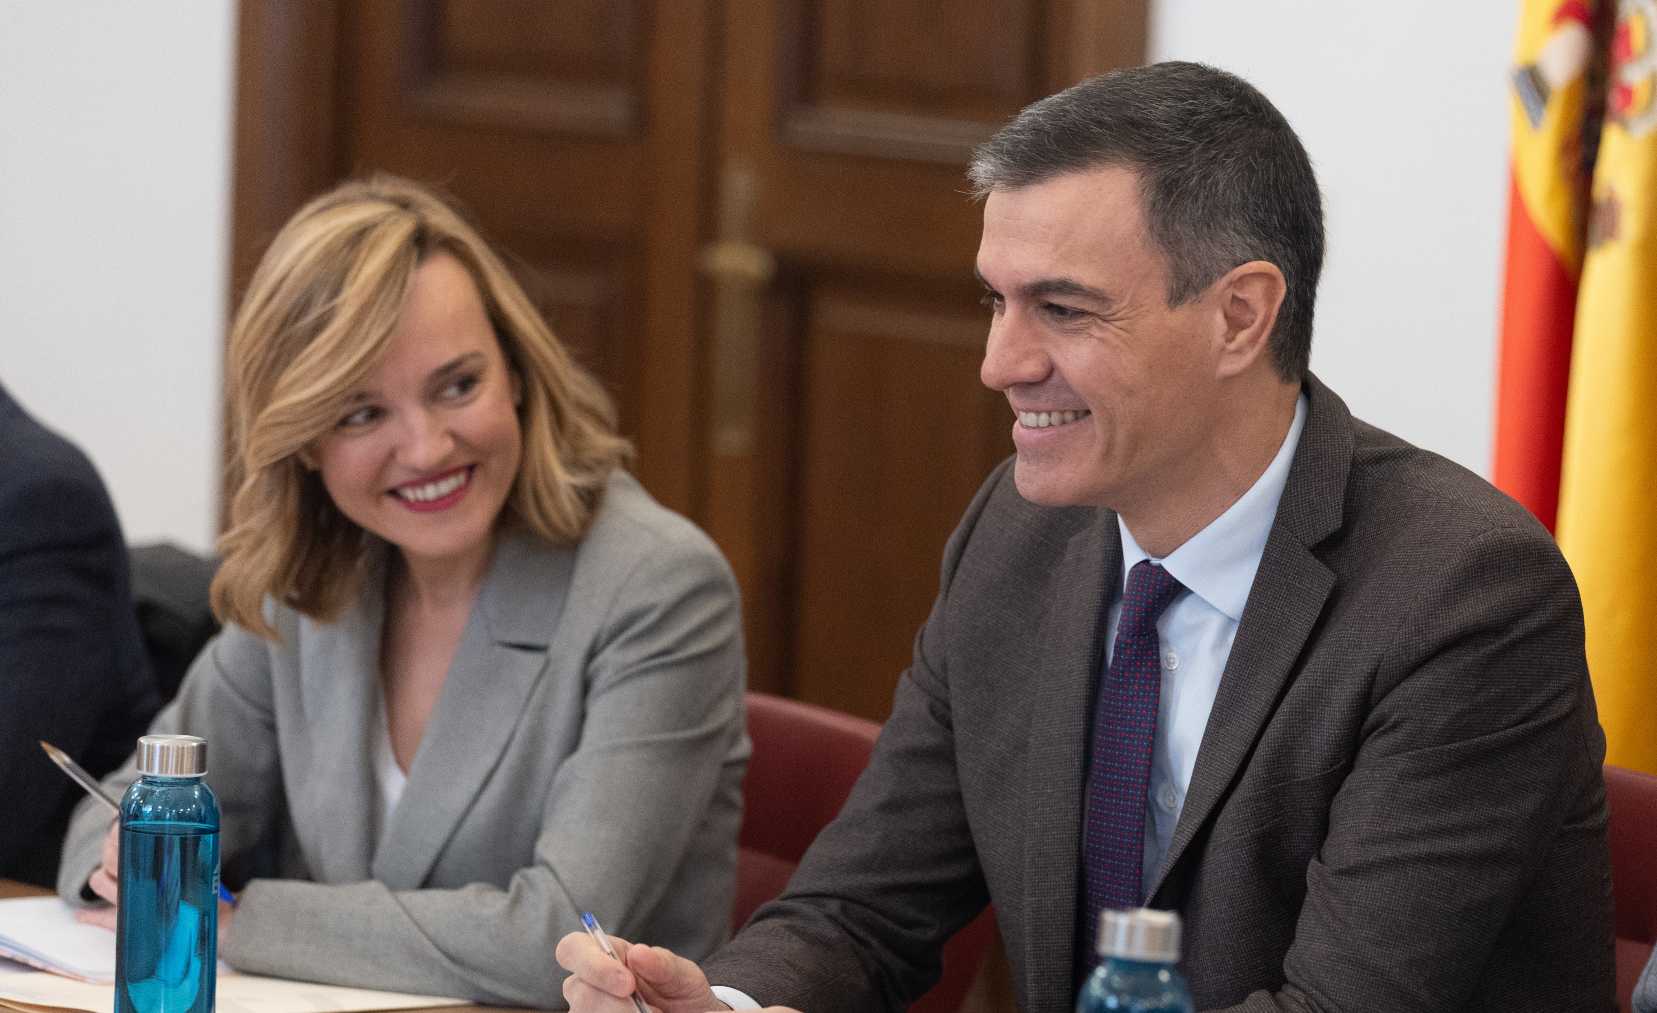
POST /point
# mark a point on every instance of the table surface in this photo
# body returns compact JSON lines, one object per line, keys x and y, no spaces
{"x":10,"y":888}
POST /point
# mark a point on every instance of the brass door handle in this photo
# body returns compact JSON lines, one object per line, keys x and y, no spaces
{"x":740,"y":271}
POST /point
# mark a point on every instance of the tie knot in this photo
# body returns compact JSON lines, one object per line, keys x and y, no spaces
{"x":1150,"y":589}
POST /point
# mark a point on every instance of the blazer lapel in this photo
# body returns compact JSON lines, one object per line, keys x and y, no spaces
{"x":1289,"y":592}
{"x":340,"y":694}
{"x":501,"y":657}
{"x":1072,"y":636}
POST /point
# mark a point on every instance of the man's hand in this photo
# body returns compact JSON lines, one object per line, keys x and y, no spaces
{"x":598,"y":984}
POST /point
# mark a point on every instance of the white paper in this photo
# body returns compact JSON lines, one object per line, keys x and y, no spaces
{"x":234,"y":993}
{"x":42,"y":932}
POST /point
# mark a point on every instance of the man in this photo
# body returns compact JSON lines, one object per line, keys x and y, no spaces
{"x":72,"y":665}
{"x":1374,"y":777}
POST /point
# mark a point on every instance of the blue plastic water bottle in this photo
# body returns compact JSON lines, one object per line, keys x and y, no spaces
{"x":167,"y":924}
{"x":1139,"y":950}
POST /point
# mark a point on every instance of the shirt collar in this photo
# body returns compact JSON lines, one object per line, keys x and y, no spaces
{"x":1217,"y":564}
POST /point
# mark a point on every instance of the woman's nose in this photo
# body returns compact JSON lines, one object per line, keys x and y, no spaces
{"x":426,"y":440}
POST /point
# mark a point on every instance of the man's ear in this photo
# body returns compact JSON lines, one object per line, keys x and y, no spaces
{"x":1249,"y":297}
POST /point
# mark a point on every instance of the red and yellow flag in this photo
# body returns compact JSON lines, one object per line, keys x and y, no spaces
{"x":1607,"y":487}
{"x":1547,"y":197}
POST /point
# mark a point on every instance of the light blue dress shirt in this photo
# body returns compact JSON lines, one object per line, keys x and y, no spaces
{"x":1217,"y":566}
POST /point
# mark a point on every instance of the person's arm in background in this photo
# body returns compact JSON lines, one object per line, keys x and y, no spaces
{"x":63,"y":599}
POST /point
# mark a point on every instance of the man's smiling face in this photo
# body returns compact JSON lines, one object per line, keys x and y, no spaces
{"x":1111,"y":388}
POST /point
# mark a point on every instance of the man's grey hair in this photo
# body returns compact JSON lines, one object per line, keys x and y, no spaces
{"x":1224,"y":180}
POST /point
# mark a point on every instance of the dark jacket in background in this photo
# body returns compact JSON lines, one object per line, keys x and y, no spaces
{"x":72,"y":666}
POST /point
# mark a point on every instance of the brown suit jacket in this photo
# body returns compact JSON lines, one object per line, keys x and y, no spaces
{"x":1397,"y":804}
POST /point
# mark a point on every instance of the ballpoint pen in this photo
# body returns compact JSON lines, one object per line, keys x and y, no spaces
{"x":590,"y":923}
{"x":79,"y":776}
{"x":90,"y":785}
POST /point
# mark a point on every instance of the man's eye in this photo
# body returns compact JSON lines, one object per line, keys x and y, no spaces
{"x":990,"y":301}
{"x":1061,"y":312}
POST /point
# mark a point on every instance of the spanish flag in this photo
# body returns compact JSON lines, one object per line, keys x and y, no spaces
{"x":1595,"y":67}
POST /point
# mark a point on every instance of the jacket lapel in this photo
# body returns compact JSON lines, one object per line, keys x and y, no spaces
{"x":340,"y":694}
{"x":1289,"y":592}
{"x":501,"y":657}
{"x":1072,"y":639}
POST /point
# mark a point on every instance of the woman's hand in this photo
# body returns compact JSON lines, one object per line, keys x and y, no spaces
{"x":106,"y":881}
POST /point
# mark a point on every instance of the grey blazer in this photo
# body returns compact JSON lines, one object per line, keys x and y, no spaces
{"x":1645,"y":991}
{"x":1397,"y":805}
{"x":586,"y":753}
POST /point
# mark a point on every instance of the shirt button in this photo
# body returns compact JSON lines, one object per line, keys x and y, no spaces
{"x":1170,"y":661}
{"x":1167,"y":797}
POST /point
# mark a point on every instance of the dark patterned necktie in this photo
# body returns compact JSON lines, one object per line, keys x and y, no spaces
{"x":1119,"y":769}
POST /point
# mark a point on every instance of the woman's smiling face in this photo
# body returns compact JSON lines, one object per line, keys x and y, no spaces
{"x":427,"y":449}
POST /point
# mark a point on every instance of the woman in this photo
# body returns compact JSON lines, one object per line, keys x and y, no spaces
{"x":473,"y":680}
{"x":1645,"y":990}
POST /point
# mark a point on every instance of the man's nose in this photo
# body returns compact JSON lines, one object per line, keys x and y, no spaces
{"x":1012,"y":355}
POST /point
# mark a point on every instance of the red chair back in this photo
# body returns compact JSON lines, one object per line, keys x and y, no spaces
{"x":1632,"y":799}
{"x":806,"y":759}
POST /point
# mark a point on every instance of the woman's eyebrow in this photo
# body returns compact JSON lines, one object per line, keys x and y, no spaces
{"x":456,"y":365}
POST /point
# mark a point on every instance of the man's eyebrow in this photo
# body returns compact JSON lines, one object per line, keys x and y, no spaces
{"x":1054,"y":287}
{"x":1048,"y":287}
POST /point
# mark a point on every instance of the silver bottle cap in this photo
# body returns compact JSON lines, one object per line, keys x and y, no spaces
{"x":172,"y":756}
{"x":1139,"y":934}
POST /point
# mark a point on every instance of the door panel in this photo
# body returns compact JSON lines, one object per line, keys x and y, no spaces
{"x":897,"y":434}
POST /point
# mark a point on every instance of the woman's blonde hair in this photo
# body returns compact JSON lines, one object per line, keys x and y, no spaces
{"x":314,"y":323}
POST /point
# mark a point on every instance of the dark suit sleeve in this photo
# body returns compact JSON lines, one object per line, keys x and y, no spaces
{"x":862,"y":922}
{"x":62,"y":576}
{"x":1479,"y":758}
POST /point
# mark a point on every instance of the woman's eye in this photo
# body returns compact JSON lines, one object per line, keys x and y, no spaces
{"x":359,"y":418}
{"x":461,"y":386}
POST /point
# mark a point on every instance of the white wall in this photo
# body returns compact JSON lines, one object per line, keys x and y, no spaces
{"x":114,"y":203}
{"x":1403,"y":109}
{"x":114,"y":183}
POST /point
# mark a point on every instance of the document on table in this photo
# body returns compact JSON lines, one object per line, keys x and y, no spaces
{"x":46,"y":930}
{"x":42,"y":932}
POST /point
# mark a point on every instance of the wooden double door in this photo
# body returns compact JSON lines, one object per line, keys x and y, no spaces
{"x":748,"y":217}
